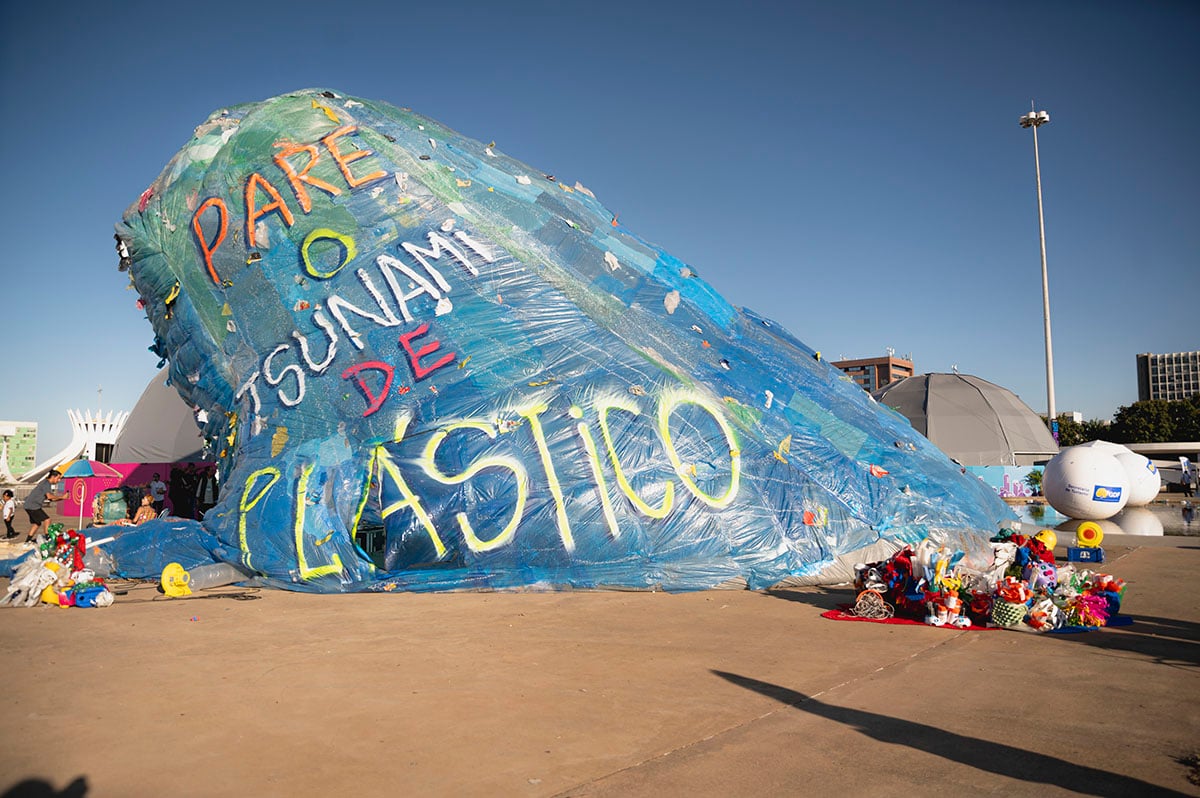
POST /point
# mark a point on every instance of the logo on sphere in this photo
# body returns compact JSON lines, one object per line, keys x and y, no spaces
{"x":1106,"y":493}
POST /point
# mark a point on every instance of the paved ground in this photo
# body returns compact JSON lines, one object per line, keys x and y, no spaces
{"x":597,"y":694}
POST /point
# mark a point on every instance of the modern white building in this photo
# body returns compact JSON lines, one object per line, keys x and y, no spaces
{"x":18,"y":448}
{"x":1171,"y":376}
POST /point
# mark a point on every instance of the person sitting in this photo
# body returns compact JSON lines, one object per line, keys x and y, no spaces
{"x":146,"y":511}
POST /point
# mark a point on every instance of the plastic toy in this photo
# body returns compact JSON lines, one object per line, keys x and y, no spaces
{"x":1048,"y":538}
{"x":92,"y":595}
{"x":1088,"y":535}
{"x":1041,"y":576}
{"x":1013,"y":590}
{"x":1045,"y":615}
{"x":945,"y":607}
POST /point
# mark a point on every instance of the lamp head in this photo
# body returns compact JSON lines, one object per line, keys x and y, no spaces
{"x":1034,"y":119}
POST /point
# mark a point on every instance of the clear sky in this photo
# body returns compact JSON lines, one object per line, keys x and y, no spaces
{"x":854,"y":170}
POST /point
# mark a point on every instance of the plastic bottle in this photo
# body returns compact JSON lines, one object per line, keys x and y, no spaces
{"x":216,"y":575}
{"x":99,"y":562}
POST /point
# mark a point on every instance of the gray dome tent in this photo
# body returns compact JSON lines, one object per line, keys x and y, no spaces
{"x":974,"y":421}
{"x":160,"y":429}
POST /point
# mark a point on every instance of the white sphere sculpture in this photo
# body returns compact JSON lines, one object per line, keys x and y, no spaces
{"x":1086,"y":483}
{"x":1144,"y":479}
{"x":1105,"y":446}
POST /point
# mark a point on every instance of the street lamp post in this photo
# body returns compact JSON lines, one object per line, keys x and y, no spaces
{"x":1035,"y":119}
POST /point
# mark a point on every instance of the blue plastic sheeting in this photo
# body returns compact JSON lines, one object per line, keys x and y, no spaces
{"x":143,"y":551}
{"x":429,"y":366}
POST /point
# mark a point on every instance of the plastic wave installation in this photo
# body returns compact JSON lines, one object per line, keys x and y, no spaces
{"x":428,"y":366}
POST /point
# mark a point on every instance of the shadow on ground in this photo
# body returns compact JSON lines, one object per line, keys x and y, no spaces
{"x":820,"y":597}
{"x":987,"y":755}
{"x":1164,"y":640}
{"x":37,"y":788}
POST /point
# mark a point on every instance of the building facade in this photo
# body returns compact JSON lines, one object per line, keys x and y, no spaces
{"x":873,"y":373}
{"x":18,"y":445}
{"x":1170,"y":376}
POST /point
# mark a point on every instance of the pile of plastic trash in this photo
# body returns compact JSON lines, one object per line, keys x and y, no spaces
{"x":1024,"y":588}
{"x":55,"y":573}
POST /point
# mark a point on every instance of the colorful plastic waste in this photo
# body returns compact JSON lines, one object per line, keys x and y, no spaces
{"x":1022,"y":588}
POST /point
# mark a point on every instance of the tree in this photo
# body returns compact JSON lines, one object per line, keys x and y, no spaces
{"x":1095,"y":429}
{"x":1157,"y":420}
{"x":1186,"y":415}
{"x":1073,"y":433}
{"x":1034,"y":480}
{"x":1152,"y":421}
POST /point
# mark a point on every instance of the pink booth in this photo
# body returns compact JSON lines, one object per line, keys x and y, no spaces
{"x":80,"y":491}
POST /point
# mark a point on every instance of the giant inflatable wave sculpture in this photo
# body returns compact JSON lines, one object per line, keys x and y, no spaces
{"x":426,"y":365}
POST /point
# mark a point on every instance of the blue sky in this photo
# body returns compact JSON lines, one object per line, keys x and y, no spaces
{"x":853,"y":170}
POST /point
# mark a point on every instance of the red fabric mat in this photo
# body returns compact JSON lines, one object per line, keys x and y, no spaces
{"x":842,"y":615}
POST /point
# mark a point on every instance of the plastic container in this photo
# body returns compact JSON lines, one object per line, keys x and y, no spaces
{"x":1076,"y":554}
{"x":178,"y":582}
{"x":216,"y":575}
{"x":99,"y":562}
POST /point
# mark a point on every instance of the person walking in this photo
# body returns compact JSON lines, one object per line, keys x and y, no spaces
{"x":35,"y":503}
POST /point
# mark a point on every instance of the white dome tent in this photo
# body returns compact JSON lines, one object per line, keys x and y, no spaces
{"x":975,"y":422}
{"x":161,"y":428}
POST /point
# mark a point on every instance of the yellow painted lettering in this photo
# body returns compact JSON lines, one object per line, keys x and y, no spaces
{"x":246,"y":504}
{"x":620,"y":403}
{"x":531,"y":413}
{"x":409,"y":499}
{"x":593,"y":455}
{"x":366,"y":492}
{"x":666,"y":406}
{"x":306,"y":572}
{"x":474,"y":542}
{"x":345,"y":243}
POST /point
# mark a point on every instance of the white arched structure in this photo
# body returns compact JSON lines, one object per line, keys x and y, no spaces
{"x":87,"y":431}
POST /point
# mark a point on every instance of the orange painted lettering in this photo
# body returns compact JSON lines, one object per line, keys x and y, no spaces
{"x":298,"y":179}
{"x":254,"y":213}
{"x":205,"y":247}
{"x":344,"y":160}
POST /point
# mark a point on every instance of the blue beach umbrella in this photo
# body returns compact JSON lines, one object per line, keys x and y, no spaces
{"x":90,"y":468}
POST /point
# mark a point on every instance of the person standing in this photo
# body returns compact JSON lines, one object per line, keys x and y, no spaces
{"x":207,"y":492}
{"x":35,"y":503}
{"x":10,"y":512}
{"x":158,"y":493}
